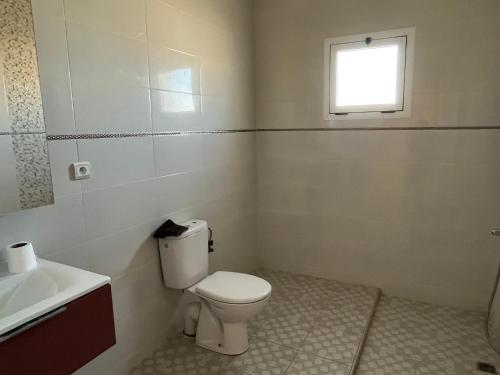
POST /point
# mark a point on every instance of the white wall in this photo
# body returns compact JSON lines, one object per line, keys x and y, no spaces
{"x":406,"y":210}
{"x":103,"y":66}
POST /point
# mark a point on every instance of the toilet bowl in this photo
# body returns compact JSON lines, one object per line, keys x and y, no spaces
{"x":228,"y":301}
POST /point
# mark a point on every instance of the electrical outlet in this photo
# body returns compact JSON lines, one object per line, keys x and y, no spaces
{"x":81,"y":170}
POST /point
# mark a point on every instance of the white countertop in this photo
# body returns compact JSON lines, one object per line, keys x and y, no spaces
{"x":50,"y":285}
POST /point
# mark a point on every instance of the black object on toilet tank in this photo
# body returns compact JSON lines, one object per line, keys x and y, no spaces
{"x":169,"y":229}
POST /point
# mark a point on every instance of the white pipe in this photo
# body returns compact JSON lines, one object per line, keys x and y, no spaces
{"x":191,"y":315}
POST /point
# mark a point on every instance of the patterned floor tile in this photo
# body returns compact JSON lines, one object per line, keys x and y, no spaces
{"x":447,"y":367}
{"x":315,"y":316}
{"x":284,"y":306}
{"x":345,"y":317}
{"x":306,"y":364}
{"x":420,"y":338}
{"x":384,"y":363}
{"x":332,"y":343}
{"x":183,"y":357}
{"x":263,"y":358}
{"x":285,"y":330}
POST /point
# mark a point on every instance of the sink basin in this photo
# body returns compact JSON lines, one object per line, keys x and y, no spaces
{"x":50,"y":285}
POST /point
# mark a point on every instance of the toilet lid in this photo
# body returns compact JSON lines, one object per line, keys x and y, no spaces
{"x":233,"y":287}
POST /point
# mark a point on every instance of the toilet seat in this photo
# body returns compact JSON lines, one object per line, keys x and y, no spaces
{"x":233,"y":287}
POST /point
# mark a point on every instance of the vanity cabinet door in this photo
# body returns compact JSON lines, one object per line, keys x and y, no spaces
{"x":65,"y":341}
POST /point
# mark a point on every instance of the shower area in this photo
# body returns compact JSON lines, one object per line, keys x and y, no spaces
{"x":404,"y":204}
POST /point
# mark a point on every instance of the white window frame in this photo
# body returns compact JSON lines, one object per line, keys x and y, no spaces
{"x":405,"y":39}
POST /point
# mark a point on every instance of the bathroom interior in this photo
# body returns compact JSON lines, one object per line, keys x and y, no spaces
{"x":249,"y":187}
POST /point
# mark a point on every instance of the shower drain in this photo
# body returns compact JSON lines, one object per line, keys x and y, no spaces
{"x":486,"y":367}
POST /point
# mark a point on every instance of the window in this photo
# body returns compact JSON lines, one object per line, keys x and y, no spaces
{"x":369,"y":76}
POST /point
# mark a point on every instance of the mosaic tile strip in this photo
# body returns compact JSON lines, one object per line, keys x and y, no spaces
{"x":310,"y":326}
{"x":19,"y":65}
{"x":33,"y":170}
{"x":65,"y":137}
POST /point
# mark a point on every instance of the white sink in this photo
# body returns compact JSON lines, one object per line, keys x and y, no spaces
{"x":50,"y":285}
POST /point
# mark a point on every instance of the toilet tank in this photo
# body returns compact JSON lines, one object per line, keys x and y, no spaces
{"x":184,"y":259}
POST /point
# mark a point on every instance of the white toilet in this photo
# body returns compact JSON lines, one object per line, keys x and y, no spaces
{"x":228,"y":300}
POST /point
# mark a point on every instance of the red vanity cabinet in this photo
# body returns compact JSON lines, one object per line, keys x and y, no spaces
{"x":62,"y":341}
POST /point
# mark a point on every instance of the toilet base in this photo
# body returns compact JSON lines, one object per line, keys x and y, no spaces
{"x":224,"y":338}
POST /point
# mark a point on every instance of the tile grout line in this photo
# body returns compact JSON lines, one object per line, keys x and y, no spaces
{"x":359,"y":351}
{"x":292,"y":361}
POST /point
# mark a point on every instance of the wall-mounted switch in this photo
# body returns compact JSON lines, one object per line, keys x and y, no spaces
{"x":81,"y":170}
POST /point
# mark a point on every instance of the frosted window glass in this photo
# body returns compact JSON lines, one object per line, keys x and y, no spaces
{"x":367,"y":76}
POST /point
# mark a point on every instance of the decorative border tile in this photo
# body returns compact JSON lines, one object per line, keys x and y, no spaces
{"x":66,"y":137}
{"x":63,"y":137}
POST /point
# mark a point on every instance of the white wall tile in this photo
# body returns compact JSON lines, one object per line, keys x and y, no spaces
{"x":446,"y":87}
{"x":229,"y":178}
{"x":9,"y":190}
{"x":371,"y":200}
{"x":217,"y":112}
{"x":109,"y":80}
{"x":175,"y":111}
{"x":139,"y":287}
{"x":181,"y":33}
{"x":7,"y":155}
{"x":53,"y":8}
{"x":228,"y":147}
{"x":117,"y":161}
{"x":121,"y":17}
{"x":214,"y":80}
{"x":108,"y":109}
{"x":74,"y":256}
{"x":53,"y":64}
{"x":117,"y":254}
{"x":178,"y":153}
{"x":108,"y":211}
{"x":174,"y":71}
{"x":62,"y":154}
{"x":98,"y":57}
{"x":50,"y":228}
{"x":179,"y":191}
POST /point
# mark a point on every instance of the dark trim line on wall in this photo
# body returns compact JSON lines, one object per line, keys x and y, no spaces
{"x":382,"y":128}
{"x":63,"y":137}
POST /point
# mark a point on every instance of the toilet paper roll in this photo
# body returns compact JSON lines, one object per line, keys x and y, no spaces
{"x":20,"y":257}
